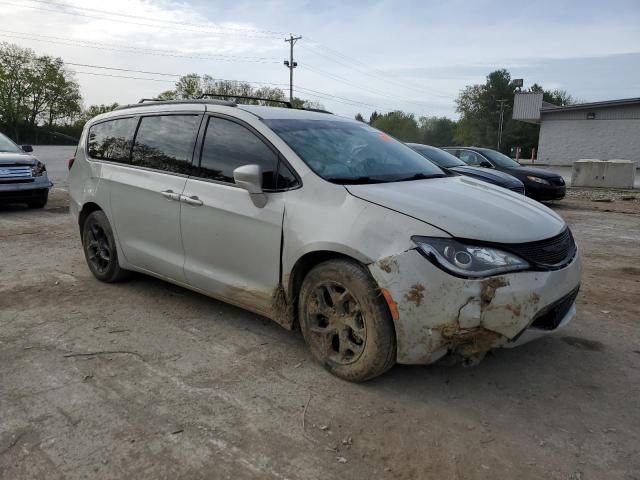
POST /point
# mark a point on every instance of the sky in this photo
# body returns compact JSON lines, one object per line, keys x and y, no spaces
{"x":354,"y":56}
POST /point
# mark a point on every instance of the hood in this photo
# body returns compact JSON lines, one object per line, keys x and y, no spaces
{"x":537,"y":172}
{"x":466,"y":208}
{"x":7,"y":158}
{"x":494,"y":176}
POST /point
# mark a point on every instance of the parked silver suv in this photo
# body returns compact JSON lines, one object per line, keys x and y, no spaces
{"x":324,"y":223}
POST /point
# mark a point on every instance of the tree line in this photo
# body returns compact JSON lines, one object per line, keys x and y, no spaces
{"x":478,"y":124}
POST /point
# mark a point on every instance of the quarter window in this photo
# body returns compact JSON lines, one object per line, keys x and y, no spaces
{"x":229,"y":145}
{"x":111,"y":140}
{"x":165,"y":142}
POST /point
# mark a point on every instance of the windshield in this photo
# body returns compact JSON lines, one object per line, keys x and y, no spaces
{"x":500,"y":159}
{"x":7,"y":145}
{"x":439,"y":157}
{"x":352,"y":152}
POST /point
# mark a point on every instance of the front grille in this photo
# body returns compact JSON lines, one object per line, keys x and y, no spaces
{"x":550,"y":253}
{"x":13,"y":174}
{"x":550,"y":317}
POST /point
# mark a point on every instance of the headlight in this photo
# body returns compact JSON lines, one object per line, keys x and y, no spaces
{"x":539,"y":180}
{"x":38,"y":169}
{"x":468,"y":260}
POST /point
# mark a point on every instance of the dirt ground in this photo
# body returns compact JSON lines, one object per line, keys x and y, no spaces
{"x":184,"y":386}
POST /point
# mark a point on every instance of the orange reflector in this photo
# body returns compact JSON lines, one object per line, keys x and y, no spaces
{"x":393,"y":306}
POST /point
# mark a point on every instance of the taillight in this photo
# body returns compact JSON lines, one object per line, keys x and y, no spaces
{"x":71,"y":160}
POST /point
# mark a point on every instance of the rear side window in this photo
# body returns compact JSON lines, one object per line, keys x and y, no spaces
{"x":111,"y":140}
{"x":470,"y":158}
{"x":165,"y":142}
{"x":229,"y":145}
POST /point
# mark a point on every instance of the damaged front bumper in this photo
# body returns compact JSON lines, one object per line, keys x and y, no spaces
{"x":438,"y":313}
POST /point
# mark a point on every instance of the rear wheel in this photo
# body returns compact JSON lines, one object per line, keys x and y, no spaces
{"x":99,"y":247}
{"x":345,"y":321}
{"x":39,"y":202}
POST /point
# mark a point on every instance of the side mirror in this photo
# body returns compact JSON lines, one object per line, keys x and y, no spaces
{"x":27,"y":148}
{"x":249,"y":177}
{"x":485,"y":164}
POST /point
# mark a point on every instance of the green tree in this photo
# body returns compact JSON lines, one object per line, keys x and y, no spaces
{"x":35,"y":91}
{"x":400,"y":124}
{"x":360,"y":118}
{"x":480,"y":114}
{"x":195,"y":86}
{"x":93,"y":111}
{"x":436,"y":131}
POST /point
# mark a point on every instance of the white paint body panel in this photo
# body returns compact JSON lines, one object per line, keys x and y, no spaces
{"x":232,"y":247}
{"x":467,"y":208}
{"x":232,"y":250}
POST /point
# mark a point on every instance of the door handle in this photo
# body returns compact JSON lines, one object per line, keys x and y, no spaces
{"x":193,"y":200}
{"x":171,"y":195}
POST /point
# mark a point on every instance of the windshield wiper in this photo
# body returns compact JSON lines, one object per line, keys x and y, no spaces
{"x":354,"y":180}
{"x":420,"y":176}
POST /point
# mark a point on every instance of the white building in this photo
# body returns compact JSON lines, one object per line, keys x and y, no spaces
{"x":602,"y":130}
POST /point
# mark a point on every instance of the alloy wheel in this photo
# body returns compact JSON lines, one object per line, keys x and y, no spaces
{"x":336,"y":326}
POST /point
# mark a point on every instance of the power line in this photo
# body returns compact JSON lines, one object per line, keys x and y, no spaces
{"x":78,"y":14}
{"x":369,"y":89}
{"x":131,"y":50}
{"x":156,"y":73}
{"x":371,"y":72}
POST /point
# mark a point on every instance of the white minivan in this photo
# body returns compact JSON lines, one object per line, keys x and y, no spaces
{"x":323,"y":223}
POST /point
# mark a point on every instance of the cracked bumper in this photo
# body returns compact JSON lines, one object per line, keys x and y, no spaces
{"x":439,"y":313}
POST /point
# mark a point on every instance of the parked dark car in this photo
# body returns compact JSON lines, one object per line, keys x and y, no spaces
{"x":450,"y":163}
{"x":23,"y":178}
{"x":539,"y":184}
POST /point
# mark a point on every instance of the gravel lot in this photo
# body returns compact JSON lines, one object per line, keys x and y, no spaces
{"x":183,"y":386}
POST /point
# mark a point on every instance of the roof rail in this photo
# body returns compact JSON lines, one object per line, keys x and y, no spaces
{"x":151,"y":101}
{"x":246,"y":97}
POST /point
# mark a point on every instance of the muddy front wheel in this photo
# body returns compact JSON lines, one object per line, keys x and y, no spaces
{"x":345,"y":322}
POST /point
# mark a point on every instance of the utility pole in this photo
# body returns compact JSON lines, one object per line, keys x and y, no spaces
{"x":290,"y":64}
{"x":501,"y":102}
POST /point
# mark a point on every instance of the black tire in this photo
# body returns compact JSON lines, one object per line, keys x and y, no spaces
{"x":345,"y":321}
{"x":39,"y":202}
{"x":99,"y":247}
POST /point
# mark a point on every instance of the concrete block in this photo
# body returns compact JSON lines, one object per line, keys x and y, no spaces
{"x":606,"y":174}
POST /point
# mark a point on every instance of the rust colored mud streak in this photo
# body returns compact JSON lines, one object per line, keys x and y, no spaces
{"x":416,"y":294}
{"x":387,"y":264}
{"x":489,"y":289}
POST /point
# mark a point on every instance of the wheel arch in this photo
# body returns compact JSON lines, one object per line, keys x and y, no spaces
{"x":87,"y":209}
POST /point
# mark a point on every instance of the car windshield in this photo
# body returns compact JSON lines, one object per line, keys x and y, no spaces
{"x":500,"y":159}
{"x":7,"y":146}
{"x":352,"y":152}
{"x":439,"y":157}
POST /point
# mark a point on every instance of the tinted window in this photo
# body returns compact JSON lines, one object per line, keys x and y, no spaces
{"x":229,"y":145}
{"x":165,"y":142}
{"x":470,"y":158}
{"x":500,"y":158}
{"x":112,"y":140}
{"x":352,"y":152}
